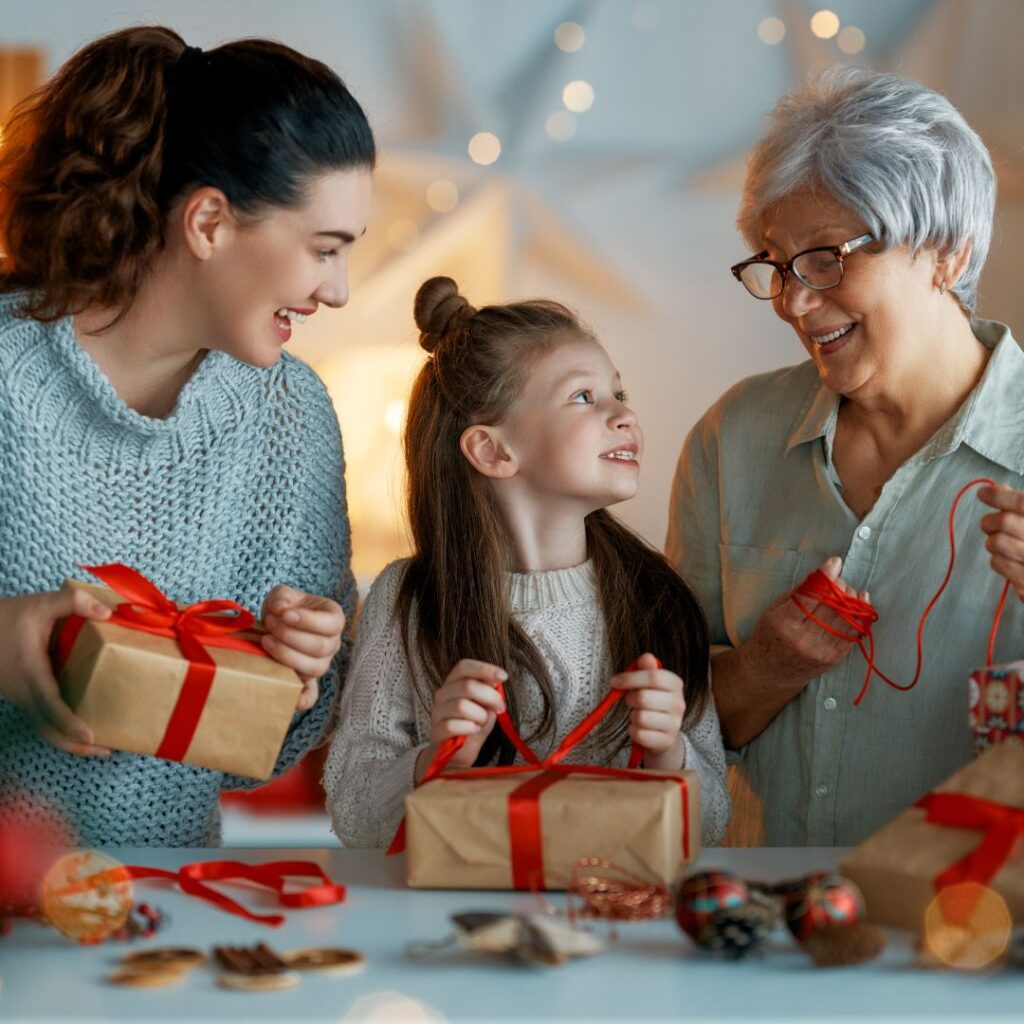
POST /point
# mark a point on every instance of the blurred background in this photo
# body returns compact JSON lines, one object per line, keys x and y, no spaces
{"x":590,"y":151}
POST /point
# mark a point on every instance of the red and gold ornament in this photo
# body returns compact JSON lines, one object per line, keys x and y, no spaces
{"x":705,"y":894}
{"x":824,"y":900}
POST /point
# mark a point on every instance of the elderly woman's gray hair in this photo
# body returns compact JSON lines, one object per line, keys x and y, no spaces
{"x":897,"y":155}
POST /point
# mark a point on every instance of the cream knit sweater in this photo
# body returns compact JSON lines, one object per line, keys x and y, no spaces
{"x":383,"y":727}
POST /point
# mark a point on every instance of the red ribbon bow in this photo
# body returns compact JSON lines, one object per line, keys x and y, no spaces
{"x":524,"y":820}
{"x":1002,"y":824}
{"x":200,"y":625}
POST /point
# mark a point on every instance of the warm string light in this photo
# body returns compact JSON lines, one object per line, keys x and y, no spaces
{"x":484,"y":148}
{"x":578,"y":96}
{"x":771,"y":31}
{"x":851,"y":40}
{"x":442,"y":196}
{"x":570,"y":37}
{"x":560,"y":126}
{"x":825,"y":24}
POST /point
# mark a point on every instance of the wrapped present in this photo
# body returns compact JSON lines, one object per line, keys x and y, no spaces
{"x":997,"y":705}
{"x":188,"y":684}
{"x":970,"y":829}
{"x":526,"y":826}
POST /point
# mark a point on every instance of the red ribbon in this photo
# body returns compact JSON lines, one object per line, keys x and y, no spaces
{"x":860,"y":615}
{"x":271,"y":875}
{"x":1002,"y":824}
{"x":524,"y":817}
{"x":200,"y":625}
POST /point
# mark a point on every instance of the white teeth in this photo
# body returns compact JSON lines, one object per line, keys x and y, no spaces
{"x":289,"y":314}
{"x":824,"y":339}
{"x":625,"y":456}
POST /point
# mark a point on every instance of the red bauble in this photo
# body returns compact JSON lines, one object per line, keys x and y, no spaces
{"x":823,"y":901}
{"x":31,"y":838}
{"x":703,"y":895}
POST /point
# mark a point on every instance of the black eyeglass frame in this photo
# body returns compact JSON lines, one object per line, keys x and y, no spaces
{"x":839,"y":251}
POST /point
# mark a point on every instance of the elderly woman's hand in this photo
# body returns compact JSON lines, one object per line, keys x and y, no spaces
{"x":1005,"y":529}
{"x":787,"y":645}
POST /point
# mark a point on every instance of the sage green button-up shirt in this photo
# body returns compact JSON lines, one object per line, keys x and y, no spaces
{"x":756,"y":505}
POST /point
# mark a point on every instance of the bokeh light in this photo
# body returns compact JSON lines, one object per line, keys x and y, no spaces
{"x":484,"y":148}
{"x":570,"y":37}
{"x":851,"y":39}
{"x":560,"y":126}
{"x":578,"y":96}
{"x":771,"y":31}
{"x":442,"y":196}
{"x":825,"y":24}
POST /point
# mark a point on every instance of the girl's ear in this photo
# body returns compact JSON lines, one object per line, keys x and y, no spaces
{"x":487,"y":453}
{"x":207,"y":221}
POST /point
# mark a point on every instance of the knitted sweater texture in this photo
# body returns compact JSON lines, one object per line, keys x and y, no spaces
{"x":239,"y":489}
{"x":383,"y":727}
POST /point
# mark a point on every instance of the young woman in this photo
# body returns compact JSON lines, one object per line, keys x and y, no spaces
{"x":167,"y":216}
{"x":518,"y":439}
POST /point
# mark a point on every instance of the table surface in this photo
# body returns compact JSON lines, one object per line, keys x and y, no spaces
{"x":651,"y":973}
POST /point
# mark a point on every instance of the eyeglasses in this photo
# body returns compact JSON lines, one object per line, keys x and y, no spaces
{"x":818,"y":268}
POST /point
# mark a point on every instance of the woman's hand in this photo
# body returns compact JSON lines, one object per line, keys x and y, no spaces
{"x":466,"y":704}
{"x":656,"y":708}
{"x":304,"y":633}
{"x":26,"y":675}
{"x":788,"y":646}
{"x":1005,"y":529}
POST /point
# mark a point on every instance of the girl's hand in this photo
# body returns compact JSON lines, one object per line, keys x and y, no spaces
{"x":1005,"y":529}
{"x":304,"y":633}
{"x":26,"y":675}
{"x":792,"y":649}
{"x":466,"y":704}
{"x":657,"y":706}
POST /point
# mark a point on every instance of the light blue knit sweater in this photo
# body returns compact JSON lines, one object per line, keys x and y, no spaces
{"x":241,"y":488}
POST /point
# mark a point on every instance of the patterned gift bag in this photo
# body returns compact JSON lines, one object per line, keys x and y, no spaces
{"x":997,"y":705}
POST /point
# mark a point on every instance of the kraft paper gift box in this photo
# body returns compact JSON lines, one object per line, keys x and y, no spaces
{"x":128,"y":685}
{"x":458,"y":832}
{"x":897,"y":867}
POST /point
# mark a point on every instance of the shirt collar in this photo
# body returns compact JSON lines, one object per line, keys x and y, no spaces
{"x":991,"y":420}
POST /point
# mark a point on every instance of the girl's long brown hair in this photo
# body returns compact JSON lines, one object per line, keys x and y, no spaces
{"x":456,"y":584}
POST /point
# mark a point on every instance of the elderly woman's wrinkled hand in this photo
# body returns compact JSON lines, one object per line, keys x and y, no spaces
{"x":787,"y":645}
{"x":1005,"y":529}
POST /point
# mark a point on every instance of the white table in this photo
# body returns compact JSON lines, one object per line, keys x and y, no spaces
{"x":653,"y":973}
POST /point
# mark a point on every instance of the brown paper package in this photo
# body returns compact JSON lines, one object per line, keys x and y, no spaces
{"x":125,"y":683}
{"x":896,"y":867}
{"x":457,"y":833}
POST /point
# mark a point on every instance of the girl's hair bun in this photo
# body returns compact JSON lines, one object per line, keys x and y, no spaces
{"x":438,"y":308}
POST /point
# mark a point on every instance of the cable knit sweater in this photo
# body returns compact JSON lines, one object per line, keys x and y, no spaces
{"x":383,"y":727}
{"x":239,"y":489}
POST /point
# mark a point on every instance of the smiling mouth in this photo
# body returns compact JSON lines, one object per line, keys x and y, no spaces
{"x":620,"y":455}
{"x":825,"y":339}
{"x":292,"y":314}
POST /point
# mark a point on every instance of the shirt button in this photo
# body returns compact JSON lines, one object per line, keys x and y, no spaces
{"x":821,"y":790}
{"x":830,"y":703}
{"x":864,"y":532}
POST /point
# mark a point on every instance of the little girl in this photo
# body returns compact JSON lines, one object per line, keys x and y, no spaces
{"x":517,"y":440}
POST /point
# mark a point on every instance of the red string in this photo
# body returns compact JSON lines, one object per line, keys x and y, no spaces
{"x":861,"y":615}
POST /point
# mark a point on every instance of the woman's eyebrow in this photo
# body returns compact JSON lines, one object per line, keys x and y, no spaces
{"x":343,"y":236}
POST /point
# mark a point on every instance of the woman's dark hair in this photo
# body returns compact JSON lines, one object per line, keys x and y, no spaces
{"x":92,"y":162}
{"x":456,"y":581}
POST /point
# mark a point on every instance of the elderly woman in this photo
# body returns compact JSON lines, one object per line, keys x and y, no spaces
{"x":869,"y":205}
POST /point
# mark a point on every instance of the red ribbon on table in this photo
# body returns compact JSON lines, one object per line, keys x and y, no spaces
{"x":524,"y":818}
{"x":194,"y":628}
{"x":1002,"y":825}
{"x":271,"y":875}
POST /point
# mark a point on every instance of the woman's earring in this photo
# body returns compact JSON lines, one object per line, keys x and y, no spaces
{"x":942,"y":288}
